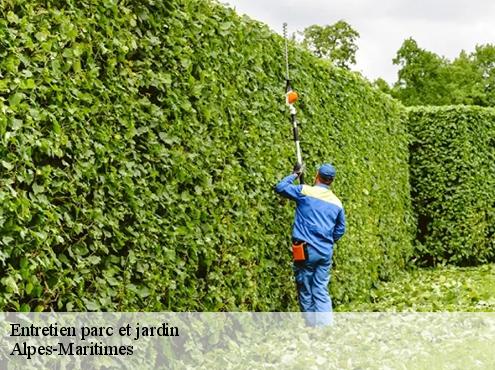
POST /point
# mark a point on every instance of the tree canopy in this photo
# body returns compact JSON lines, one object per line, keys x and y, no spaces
{"x":336,"y":42}
{"x":424,"y":78}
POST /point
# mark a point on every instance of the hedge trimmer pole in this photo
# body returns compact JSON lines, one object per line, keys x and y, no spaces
{"x":296,"y":133}
{"x":290,"y":98}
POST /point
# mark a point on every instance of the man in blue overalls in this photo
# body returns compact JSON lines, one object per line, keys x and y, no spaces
{"x":319,"y":223}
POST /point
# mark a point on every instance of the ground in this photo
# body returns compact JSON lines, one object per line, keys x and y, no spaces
{"x":375,"y":340}
{"x":439,"y":289}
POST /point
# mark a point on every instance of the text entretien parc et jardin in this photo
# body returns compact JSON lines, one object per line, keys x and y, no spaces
{"x":84,"y":333}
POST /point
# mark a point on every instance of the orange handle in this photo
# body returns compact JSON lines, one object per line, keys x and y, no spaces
{"x":292,"y":97}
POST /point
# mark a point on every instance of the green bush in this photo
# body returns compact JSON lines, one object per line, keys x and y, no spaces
{"x":452,"y":165}
{"x":140,"y":142}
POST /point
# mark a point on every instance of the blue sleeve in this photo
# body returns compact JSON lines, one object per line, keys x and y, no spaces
{"x":288,"y":190}
{"x":339,"y":229}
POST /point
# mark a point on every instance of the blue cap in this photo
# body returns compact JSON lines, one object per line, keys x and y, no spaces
{"x":327,"y":171}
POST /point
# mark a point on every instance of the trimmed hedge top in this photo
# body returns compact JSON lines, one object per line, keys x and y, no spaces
{"x":453,"y":183}
{"x":139,"y":146}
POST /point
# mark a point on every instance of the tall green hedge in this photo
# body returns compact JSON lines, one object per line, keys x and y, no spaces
{"x":453,"y":183}
{"x":140,"y":143}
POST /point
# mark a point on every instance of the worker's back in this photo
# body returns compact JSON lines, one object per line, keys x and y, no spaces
{"x":320,"y":219}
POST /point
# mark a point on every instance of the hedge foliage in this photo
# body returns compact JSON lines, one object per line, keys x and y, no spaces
{"x":140,"y":143}
{"x":453,"y":183}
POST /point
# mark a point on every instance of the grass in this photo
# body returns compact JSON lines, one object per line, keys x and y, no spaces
{"x":434,"y":290}
{"x":376,"y":340}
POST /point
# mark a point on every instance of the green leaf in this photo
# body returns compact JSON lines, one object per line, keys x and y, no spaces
{"x":10,"y":284}
{"x":16,"y":98}
{"x":28,"y":84}
{"x":37,"y":189}
{"x":93,"y":260}
{"x":91,"y":305}
{"x":12,"y":17}
{"x":7,"y":165}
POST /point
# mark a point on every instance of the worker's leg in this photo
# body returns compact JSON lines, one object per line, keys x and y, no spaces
{"x":321,"y":278}
{"x":321,"y":298}
{"x":304,"y":280}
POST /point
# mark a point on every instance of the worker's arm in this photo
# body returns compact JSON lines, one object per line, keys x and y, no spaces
{"x":339,"y":229}
{"x":287,"y":189}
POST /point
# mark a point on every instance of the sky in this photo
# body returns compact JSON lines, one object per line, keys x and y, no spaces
{"x":444,"y":27}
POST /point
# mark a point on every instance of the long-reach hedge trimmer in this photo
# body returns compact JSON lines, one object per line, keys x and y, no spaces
{"x":290,"y":98}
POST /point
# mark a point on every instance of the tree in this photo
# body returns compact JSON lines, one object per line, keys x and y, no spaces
{"x":425,"y":78}
{"x":484,"y":61}
{"x":336,"y":42}
{"x":465,"y":83}
{"x":382,"y":85}
{"x":421,"y":78}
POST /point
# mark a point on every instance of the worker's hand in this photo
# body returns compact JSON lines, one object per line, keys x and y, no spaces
{"x":298,"y":169}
